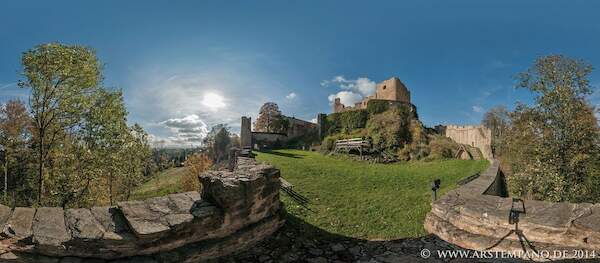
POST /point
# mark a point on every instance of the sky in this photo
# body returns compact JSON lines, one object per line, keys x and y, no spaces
{"x":185,"y":66}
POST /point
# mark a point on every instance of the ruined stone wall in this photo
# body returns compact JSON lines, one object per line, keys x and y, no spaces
{"x":298,"y":127}
{"x":475,"y":217}
{"x":235,"y":210}
{"x":476,"y":136}
{"x":261,"y":140}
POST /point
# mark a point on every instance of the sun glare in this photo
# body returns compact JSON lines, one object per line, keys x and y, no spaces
{"x":213,"y":101}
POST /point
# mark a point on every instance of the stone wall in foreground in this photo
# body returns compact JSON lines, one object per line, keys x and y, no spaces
{"x":235,"y":210}
{"x":475,"y":217}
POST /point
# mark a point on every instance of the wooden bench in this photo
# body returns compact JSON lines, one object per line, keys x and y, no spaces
{"x":347,"y":145}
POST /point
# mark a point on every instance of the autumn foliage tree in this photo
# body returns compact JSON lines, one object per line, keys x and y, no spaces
{"x":270,"y":119}
{"x":15,"y":125}
{"x":555,"y":143}
{"x":196,"y":164}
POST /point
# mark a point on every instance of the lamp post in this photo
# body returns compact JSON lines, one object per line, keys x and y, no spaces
{"x":435,"y":185}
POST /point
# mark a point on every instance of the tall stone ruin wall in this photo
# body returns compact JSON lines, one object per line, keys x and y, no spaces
{"x":259,"y":140}
{"x":234,"y":211}
{"x":475,"y":216}
{"x":476,"y":136}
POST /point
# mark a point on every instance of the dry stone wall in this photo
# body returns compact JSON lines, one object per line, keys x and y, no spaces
{"x":474,"y":216}
{"x":235,"y":210}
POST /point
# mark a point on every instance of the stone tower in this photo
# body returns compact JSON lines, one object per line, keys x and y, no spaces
{"x":392,"y":89}
{"x":337,"y":105}
{"x":246,"y":132}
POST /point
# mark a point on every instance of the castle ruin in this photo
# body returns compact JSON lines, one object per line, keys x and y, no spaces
{"x":392,"y":90}
{"x":258,"y":140}
{"x":475,"y":136}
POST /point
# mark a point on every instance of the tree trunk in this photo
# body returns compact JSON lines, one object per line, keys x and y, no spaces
{"x":110,"y":191}
{"x":6,"y":176}
{"x":40,"y":168}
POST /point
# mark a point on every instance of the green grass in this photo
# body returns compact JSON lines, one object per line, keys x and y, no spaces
{"x":363,"y":200}
{"x":163,"y":183}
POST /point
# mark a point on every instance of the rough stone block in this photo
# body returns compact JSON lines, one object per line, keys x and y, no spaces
{"x":49,"y":227}
{"x":145,"y":222}
{"x":83,"y":225}
{"x":111,"y":219}
{"x":182,"y":202}
{"x":5,"y":212}
{"x":20,"y":222}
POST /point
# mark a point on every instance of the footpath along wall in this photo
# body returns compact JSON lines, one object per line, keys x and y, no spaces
{"x":476,"y":216}
{"x":234,"y":211}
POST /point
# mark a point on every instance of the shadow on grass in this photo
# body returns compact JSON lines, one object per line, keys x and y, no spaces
{"x":289,"y":155}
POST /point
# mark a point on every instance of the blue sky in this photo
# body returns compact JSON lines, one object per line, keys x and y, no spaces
{"x":187,"y":65}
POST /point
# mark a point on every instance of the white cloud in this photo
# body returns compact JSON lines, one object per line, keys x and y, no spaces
{"x":189,"y":130}
{"x":313,"y":120}
{"x":187,"y":122}
{"x":291,"y":96}
{"x":347,"y":98}
{"x":353,"y":90}
{"x":363,"y":86}
{"x":477,"y":109}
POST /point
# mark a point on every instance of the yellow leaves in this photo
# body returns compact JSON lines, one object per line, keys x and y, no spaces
{"x":197,"y":163}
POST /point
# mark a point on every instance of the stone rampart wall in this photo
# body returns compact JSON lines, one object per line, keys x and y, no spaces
{"x":475,"y":217}
{"x":235,"y":210}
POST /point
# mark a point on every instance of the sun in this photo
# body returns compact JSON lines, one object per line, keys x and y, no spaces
{"x":213,"y":101}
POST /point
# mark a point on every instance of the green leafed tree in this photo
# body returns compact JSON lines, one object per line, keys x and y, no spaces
{"x":555,"y":142}
{"x":218,"y":142}
{"x":60,"y":78}
{"x":497,"y":119}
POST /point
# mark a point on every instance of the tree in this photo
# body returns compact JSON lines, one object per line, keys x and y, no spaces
{"x":196,"y":164}
{"x":14,"y":134}
{"x":218,"y":143}
{"x":270,"y":119}
{"x":60,"y":78}
{"x":136,"y":156}
{"x":107,"y":139}
{"x":556,"y":141}
{"x":497,"y":119}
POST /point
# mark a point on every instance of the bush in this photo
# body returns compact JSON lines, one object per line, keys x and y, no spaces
{"x":346,"y":122}
{"x":389,"y":130}
{"x":442,"y":148}
{"x":196,"y":163}
{"x":377,"y":106}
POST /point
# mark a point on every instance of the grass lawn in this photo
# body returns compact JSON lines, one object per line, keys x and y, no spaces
{"x":363,"y":200}
{"x":163,"y":183}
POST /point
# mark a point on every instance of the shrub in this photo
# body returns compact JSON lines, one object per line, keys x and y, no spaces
{"x":346,"y":122}
{"x":442,"y":147}
{"x":389,"y":130}
{"x":377,"y":106}
{"x":196,"y":163}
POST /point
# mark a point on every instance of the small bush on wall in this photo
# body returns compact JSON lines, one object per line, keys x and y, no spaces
{"x":377,"y":106}
{"x":346,"y":122}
